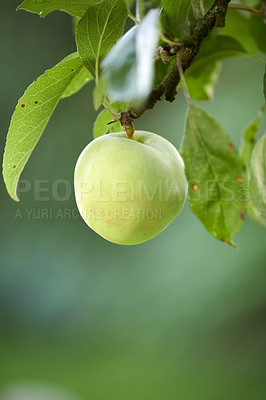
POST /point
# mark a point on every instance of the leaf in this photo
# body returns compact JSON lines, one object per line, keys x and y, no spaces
{"x":201,"y":80}
{"x":215,"y":174}
{"x":80,"y":79}
{"x":257,"y":179}
{"x":179,"y":16}
{"x":250,"y":137}
{"x":43,"y":7}
{"x":99,"y":93}
{"x":97,"y":31}
{"x":258,"y":31}
{"x":101,"y":126}
{"x":215,"y":49}
{"x":255,"y":215}
{"x":129,"y":66}
{"x":145,"y":6}
{"x":162,"y":69}
{"x":32,"y":114}
{"x":203,"y":74}
{"x":237,"y":26}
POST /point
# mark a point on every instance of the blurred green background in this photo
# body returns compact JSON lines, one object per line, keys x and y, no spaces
{"x":182,"y":316}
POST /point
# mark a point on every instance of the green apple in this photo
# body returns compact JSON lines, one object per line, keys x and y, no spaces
{"x":129,"y":190}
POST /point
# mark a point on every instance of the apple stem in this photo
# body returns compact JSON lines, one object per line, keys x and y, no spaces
{"x":127,"y":123}
{"x":129,"y":131}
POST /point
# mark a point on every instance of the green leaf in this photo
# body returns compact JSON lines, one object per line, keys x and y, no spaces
{"x":32,"y":114}
{"x":250,"y":137}
{"x":80,"y":79}
{"x":252,"y":3}
{"x":179,"y":16}
{"x":141,"y":4}
{"x":203,"y":74}
{"x":97,"y":31}
{"x":257,"y":180}
{"x":237,"y":26}
{"x":162,"y":69}
{"x":101,"y":126}
{"x":99,"y":93}
{"x":255,"y":215}
{"x":129,"y":66}
{"x":43,"y":7}
{"x":215,"y":49}
{"x":258,"y":31}
{"x":201,"y":80}
{"x":215,"y":174}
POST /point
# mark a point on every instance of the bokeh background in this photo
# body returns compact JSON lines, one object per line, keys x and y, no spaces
{"x":182,"y":316}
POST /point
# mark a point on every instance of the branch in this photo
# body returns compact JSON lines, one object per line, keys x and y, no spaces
{"x":214,"y":17}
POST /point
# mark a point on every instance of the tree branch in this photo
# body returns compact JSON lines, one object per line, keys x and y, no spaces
{"x":214,"y":17}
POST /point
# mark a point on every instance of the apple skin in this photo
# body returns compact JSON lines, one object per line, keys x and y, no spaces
{"x":129,"y":190}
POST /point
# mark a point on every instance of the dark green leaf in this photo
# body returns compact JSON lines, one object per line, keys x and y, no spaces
{"x":250,"y":137}
{"x":217,"y":48}
{"x":162,"y":69}
{"x":215,"y":174}
{"x":258,"y":31}
{"x":98,"y":30}
{"x":201,"y":80}
{"x":179,"y":16}
{"x":44,"y":7}
{"x":129,"y":66}
{"x":32,"y":114}
{"x":257,"y":180}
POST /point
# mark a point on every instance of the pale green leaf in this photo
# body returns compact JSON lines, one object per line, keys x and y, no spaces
{"x":98,"y":30}
{"x":253,"y":213}
{"x":215,"y":174}
{"x":31,"y":116}
{"x":129,"y":66}
{"x":101,"y":126}
{"x":257,"y":179}
{"x":179,"y":16}
{"x":202,"y":79}
{"x":99,"y":93}
{"x":44,"y":7}
{"x":250,"y":136}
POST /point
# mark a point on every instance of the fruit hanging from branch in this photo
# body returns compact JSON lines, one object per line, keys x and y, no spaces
{"x":129,"y":190}
{"x":172,"y":44}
